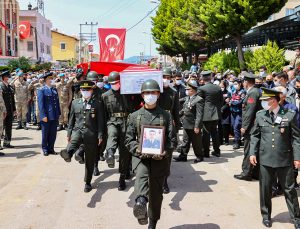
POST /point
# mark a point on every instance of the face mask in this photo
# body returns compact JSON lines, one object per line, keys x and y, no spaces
{"x":237,"y":87}
{"x":52,"y":82}
{"x":258,"y":85}
{"x":166,"y":82}
{"x":230,"y":83}
{"x":150,"y":99}
{"x":86,"y":94}
{"x":187,"y":92}
{"x":178,"y":82}
{"x":222,"y":88}
{"x":265,"y":105}
{"x":29,"y":80}
{"x":277,"y":84}
{"x":269,"y":82}
{"x":297,"y":90}
{"x":261,"y":73}
{"x":100,"y":84}
{"x":116,"y":87}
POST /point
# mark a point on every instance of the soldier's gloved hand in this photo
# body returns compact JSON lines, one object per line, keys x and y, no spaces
{"x":157,"y":157}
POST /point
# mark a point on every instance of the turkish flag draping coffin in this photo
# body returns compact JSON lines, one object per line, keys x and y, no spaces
{"x":112,"y":44}
{"x":24,"y":29}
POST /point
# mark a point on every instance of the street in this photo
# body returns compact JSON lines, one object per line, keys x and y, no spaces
{"x":46,"y":192}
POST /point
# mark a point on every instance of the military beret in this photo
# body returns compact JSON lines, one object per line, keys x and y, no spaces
{"x":206,"y":73}
{"x":61,"y":75}
{"x":86,"y":84}
{"x":5,"y":73}
{"x":269,"y":93}
{"x":20,"y":73}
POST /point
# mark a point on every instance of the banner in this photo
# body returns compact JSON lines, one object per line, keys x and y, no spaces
{"x":24,"y":29}
{"x":112,"y":44}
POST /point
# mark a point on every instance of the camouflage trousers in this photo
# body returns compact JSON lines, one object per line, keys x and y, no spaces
{"x":37,"y":112}
{"x":64,"y":110}
{"x":22,"y":109}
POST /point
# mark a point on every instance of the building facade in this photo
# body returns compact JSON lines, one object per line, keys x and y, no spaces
{"x":38,"y":45}
{"x":9,"y":29}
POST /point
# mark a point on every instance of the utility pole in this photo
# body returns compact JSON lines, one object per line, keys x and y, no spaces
{"x":90,"y":37}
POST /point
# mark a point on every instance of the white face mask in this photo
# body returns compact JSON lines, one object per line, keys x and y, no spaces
{"x":166,"y":82}
{"x":230,"y":83}
{"x":187,"y":92}
{"x":150,"y":99}
{"x":116,"y":86}
{"x":178,"y":82}
{"x":265,"y":105}
{"x":86,"y":94}
{"x":100,"y":84}
{"x":52,"y":82}
{"x":261,"y":73}
{"x":237,"y":87}
{"x":277,"y":84}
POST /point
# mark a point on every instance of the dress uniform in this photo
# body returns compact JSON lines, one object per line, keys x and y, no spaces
{"x":213,"y":100}
{"x":151,"y":171}
{"x":64,"y":90}
{"x":117,"y":107}
{"x":192,"y":123}
{"x":86,"y":126}
{"x":22,"y":97}
{"x":48,"y":105}
{"x":9,"y":99}
{"x":275,"y":139}
{"x":250,"y":107}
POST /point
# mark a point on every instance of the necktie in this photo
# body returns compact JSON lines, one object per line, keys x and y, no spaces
{"x":272,"y":116}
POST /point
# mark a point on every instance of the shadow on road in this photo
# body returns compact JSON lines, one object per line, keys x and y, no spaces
{"x":283,"y":217}
{"x":27,"y":146}
{"x":21,"y":155}
{"x":197,"y":226}
{"x":21,"y":138}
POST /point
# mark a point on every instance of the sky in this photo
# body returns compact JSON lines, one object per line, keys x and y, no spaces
{"x":66,"y":15}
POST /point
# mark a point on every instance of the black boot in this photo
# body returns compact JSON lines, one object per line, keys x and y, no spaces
{"x":96,"y":170}
{"x":152,"y":224}
{"x":65,"y":155}
{"x":88,"y":188}
{"x":79,"y":155}
{"x":19,"y":127}
{"x":60,"y":128}
{"x":102,"y":158}
{"x":236,"y":146}
{"x":39,"y":126}
{"x":122,"y":183}
{"x":166,"y":188}
{"x":128,"y":175}
{"x":140,"y":210}
{"x":25,"y":126}
{"x":110,"y":158}
{"x":180,"y":157}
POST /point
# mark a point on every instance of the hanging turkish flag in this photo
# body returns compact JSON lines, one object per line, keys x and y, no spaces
{"x":24,"y":29}
{"x":2,"y":25}
{"x":112,"y":44}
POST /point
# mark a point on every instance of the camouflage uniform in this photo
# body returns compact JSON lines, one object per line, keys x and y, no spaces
{"x":64,"y":90}
{"x":35,"y":85}
{"x":21,"y":98}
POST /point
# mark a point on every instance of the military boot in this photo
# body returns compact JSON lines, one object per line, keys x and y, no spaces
{"x":96,"y":169}
{"x":180,"y":157}
{"x":19,"y":127}
{"x":79,"y":155}
{"x":88,"y":188}
{"x":152,"y":224}
{"x":65,"y":155}
{"x":128,"y":175}
{"x":25,"y":126}
{"x":110,"y":158}
{"x":60,"y":128}
{"x":140,"y":210}
{"x":122,"y":183}
{"x":166,"y":188}
{"x":39,"y":126}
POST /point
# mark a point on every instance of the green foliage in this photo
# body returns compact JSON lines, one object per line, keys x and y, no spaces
{"x":43,"y":66}
{"x":223,"y":61}
{"x":269,"y":55}
{"x":4,"y":68}
{"x":22,"y":62}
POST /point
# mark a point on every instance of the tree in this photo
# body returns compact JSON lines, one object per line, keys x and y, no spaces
{"x":22,"y":63}
{"x":269,"y":55}
{"x":223,"y":61}
{"x":234,"y":18}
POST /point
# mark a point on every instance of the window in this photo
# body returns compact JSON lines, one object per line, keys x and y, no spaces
{"x":289,"y":11}
{"x":62,"y":46}
{"x":43,"y":29}
{"x":29,"y":46}
{"x":48,"y":32}
{"x":48,"y":49}
{"x":42,"y":47}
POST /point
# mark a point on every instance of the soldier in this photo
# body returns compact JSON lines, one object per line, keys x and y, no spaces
{"x":180,"y":88}
{"x":277,"y":126}
{"x":48,"y":105}
{"x":86,"y":126}
{"x":22,"y":97}
{"x":64,"y":90}
{"x":2,"y":117}
{"x":169,"y":101}
{"x":296,"y":61}
{"x":35,"y":86}
{"x":9,"y":99}
{"x":75,"y":82}
{"x":151,"y":171}
{"x":213,"y":100}
{"x":117,"y":107}
{"x":192,"y":113}
{"x":250,"y":106}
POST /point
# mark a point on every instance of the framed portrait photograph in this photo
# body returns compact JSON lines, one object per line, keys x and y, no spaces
{"x":152,"y":140}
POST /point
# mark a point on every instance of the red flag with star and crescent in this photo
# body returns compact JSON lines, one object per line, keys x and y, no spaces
{"x":24,"y":29}
{"x":112,"y":44}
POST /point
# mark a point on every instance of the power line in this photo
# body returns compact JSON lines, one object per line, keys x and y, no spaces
{"x":150,"y":12}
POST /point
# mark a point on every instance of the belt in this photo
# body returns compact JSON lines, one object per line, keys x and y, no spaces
{"x":120,"y":115}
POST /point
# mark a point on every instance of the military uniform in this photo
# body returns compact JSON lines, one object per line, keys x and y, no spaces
{"x":86,"y":127}
{"x":9,"y":99}
{"x":295,"y":62}
{"x":150,"y":173}
{"x":64,"y":90}
{"x":22,"y":97}
{"x":2,"y":112}
{"x":275,"y":140}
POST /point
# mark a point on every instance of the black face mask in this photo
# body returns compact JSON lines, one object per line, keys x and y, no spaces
{"x":258,"y":85}
{"x":269,"y":82}
{"x":297,"y":90}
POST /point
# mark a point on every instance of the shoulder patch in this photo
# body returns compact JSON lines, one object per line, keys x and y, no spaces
{"x":250,"y":100}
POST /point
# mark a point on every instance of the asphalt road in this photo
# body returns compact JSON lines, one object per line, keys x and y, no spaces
{"x":46,"y":192}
